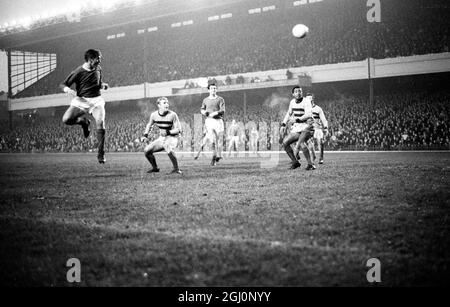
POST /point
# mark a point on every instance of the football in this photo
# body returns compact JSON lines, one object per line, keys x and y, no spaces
{"x":300,"y":30}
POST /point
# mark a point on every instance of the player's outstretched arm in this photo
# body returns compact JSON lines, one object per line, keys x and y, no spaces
{"x":176,"y":126}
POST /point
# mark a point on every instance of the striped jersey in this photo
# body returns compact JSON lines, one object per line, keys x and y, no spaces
{"x":298,"y":108}
{"x":320,"y":122}
{"x":166,"y":122}
{"x":211,"y":105}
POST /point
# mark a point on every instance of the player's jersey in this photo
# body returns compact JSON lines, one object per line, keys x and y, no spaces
{"x":211,"y":105}
{"x":234,"y":130}
{"x":166,"y":122}
{"x":88,"y":83}
{"x":298,"y":108}
{"x":320,"y":121}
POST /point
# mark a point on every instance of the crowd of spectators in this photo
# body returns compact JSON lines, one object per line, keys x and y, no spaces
{"x":339,"y":32}
{"x":393,"y":121}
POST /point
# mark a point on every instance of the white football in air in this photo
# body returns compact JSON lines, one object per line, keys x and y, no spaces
{"x":300,"y":31}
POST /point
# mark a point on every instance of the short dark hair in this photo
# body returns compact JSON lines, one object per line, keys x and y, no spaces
{"x":295,"y":87}
{"x":211,"y":84}
{"x":91,"y":54}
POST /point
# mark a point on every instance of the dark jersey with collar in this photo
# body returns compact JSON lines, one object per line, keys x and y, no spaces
{"x":212,"y":105}
{"x":88,"y":83}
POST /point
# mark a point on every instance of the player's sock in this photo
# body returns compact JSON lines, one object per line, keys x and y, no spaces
{"x":313,"y":154}
{"x":290,"y":153}
{"x":321,"y":153}
{"x":84,"y":123}
{"x":101,"y":145}
{"x":198,"y":153}
{"x":151,"y":158}
{"x":174,"y":160}
{"x":307,"y":155}
{"x":297,"y":153}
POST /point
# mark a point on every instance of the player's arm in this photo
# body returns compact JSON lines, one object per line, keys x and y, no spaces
{"x":67,"y":83}
{"x":287,"y":116}
{"x":203,"y":109}
{"x":103,"y":85}
{"x":221,"y":111}
{"x":149,"y":126}
{"x":323,"y":120}
{"x":176,"y":127}
{"x":285,"y":120}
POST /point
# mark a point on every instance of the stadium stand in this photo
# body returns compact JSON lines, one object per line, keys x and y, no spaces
{"x":252,"y":43}
{"x":243,"y":43}
{"x":396,"y":121}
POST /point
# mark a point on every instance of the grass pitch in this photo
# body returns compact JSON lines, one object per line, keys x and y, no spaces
{"x":236,"y":224}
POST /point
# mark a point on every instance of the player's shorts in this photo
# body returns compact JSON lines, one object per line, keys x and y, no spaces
{"x":169,"y":143}
{"x":213,"y":124}
{"x":88,"y":104}
{"x":299,"y":127}
{"x":234,"y":139}
{"x":318,"y":133}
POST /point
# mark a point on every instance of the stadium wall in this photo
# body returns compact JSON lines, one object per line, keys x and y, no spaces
{"x":380,"y":68}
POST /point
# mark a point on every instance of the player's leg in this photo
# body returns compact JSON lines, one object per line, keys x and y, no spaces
{"x":230,"y":145}
{"x":219,"y":145}
{"x":296,"y":149}
{"x":202,"y":145}
{"x":303,"y":141}
{"x":220,"y":133}
{"x":170,"y":143}
{"x":321,"y":144}
{"x":288,"y":140}
{"x":74,"y":116}
{"x":149,"y":151}
{"x":99,"y":115}
{"x":312,"y":149}
{"x":215,"y":145}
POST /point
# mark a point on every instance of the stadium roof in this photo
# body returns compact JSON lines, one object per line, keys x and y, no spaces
{"x":124,"y":12}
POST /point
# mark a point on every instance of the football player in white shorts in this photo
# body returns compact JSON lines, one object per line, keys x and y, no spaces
{"x":320,"y":129}
{"x":301,"y":131}
{"x":169,"y":129}
{"x":213,"y":108}
{"x":87,"y":98}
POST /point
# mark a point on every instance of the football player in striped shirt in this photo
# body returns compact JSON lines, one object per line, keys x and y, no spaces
{"x":302,"y":130}
{"x":169,"y":129}
{"x":87,"y":98}
{"x":213,"y":107}
{"x":320,"y":129}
